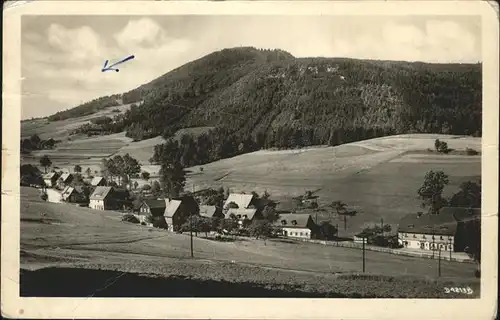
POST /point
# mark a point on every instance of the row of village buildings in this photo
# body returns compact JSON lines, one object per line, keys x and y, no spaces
{"x":446,"y":231}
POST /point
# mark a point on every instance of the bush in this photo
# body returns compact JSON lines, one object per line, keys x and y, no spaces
{"x":44,"y":196}
{"x":130,"y":218}
{"x":471,"y":152}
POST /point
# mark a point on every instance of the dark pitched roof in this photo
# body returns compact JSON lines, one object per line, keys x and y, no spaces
{"x":155,"y":204}
{"x":249,"y":213}
{"x":293,"y":220}
{"x":443,"y":223}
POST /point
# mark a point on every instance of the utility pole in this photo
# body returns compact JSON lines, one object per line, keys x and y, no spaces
{"x":433,"y":244}
{"x":439,"y":262}
{"x":364,"y":254}
{"x":191,"y":233}
{"x":382,"y":225}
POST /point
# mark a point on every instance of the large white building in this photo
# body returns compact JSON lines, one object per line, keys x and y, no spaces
{"x":436,"y":231}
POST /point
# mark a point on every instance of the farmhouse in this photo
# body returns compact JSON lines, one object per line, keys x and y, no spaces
{"x":73,"y":195}
{"x":176,"y":211}
{"x":98,"y":182}
{"x":152,"y":207}
{"x":108,"y":198}
{"x":50,"y":179}
{"x":445,"y":231}
{"x":64,"y":180}
{"x":211,"y":212}
{"x":244,"y":216}
{"x":297,"y":225}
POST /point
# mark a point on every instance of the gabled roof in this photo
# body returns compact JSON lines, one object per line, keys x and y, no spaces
{"x":439,"y":224}
{"x":66,"y":176}
{"x":208,"y":211}
{"x":248,"y":213}
{"x":67,"y":192}
{"x":50,"y":175}
{"x":241,"y":199}
{"x":155,"y":204}
{"x":100,"y":193}
{"x":171,"y":207}
{"x":96,"y":180}
{"x":293,"y":220}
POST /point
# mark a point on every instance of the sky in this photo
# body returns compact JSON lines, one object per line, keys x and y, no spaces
{"x":62,"y":56}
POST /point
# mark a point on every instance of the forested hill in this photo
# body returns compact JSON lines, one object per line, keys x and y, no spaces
{"x":268,"y":98}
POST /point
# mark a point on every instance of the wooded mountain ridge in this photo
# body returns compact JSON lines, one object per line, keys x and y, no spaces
{"x":268,"y":98}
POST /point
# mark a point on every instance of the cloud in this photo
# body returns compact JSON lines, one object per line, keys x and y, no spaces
{"x":81,"y":45}
{"x":438,"y":41}
{"x":140,"y":33}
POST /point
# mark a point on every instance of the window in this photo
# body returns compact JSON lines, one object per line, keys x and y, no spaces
{"x":441,"y":237}
{"x":414,"y":236}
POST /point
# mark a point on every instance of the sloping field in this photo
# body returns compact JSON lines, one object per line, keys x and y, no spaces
{"x":62,"y":235}
{"x":378,"y":177}
{"x":60,"y":130}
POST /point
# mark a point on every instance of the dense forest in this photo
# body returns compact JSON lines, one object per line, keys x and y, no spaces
{"x":267,"y":98}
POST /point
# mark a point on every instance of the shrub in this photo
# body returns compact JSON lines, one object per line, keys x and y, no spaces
{"x":471,"y":152}
{"x":44,"y":196}
{"x":130,"y":218}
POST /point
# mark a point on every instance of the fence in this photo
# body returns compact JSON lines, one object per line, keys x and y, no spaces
{"x":402,"y":252}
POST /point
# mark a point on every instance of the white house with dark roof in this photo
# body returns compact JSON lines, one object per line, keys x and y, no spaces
{"x":436,"y":231}
{"x":100,"y":199}
{"x":296,"y":225}
{"x":50,"y":179}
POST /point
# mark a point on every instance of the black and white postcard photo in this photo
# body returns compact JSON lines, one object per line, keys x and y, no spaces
{"x":341,"y":158}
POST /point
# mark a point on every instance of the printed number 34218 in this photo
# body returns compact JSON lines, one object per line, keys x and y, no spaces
{"x":467,"y":290}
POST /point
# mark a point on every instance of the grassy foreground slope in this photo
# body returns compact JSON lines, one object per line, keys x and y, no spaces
{"x":60,"y":235}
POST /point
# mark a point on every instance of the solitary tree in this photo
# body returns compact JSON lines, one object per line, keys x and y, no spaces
{"x":77,"y":169}
{"x":45,"y":162}
{"x":172,"y":178}
{"x":468,"y":196}
{"x":145,"y":175}
{"x":88,"y":172}
{"x":431,"y":192}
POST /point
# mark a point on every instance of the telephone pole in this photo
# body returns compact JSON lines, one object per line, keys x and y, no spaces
{"x":439,"y":262}
{"x":364,"y":254}
{"x":382,"y":225}
{"x":191,"y":233}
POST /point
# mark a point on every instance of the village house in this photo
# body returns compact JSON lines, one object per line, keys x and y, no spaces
{"x":436,"y":231}
{"x":109,"y":198}
{"x":50,"y":179}
{"x":244,"y":216}
{"x":64,"y":180}
{"x":151,"y":207}
{"x":177,"y":210}
{"x":297,"y":225}
{"x":73,"y":195}
{"x":98,"y":182}
{"x":211,"y":212}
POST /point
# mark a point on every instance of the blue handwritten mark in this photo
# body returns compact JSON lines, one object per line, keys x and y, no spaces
{"x":108,"y":68}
